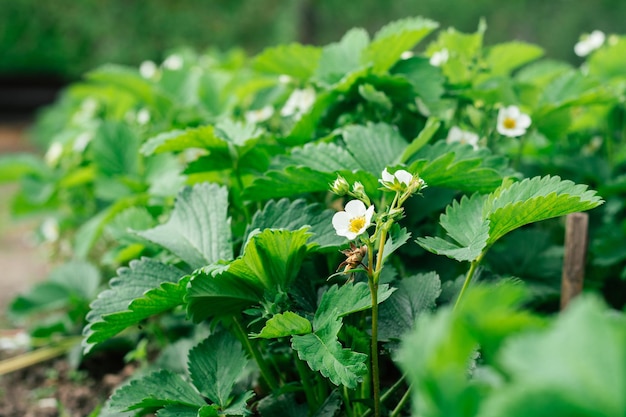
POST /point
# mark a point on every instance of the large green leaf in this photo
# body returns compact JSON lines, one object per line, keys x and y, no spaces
{"x":203,"y":137}
{"x":576,"y":368}
{"x":323,"y":352}
{"x":296,"y":60}
{"x":285,"y":324}
{"x":144,"y":289}
{"x":291,"y":181}
{"x":338,"y":59}
{"x":414,"y":295}
{"x":533,"y":200}
{"x":115,"y":149}
{"x":270,"y":263}
{"x":395,"y":38}
{"x":215,"y":365}
{"x":156,"y":390}
{"x":198,"y":230}
{"x":323,"y":157}
{"x":374,"y":146}
{"x":15,"y":166}
{"x":284,"y":214}
{"x":505,"y":57}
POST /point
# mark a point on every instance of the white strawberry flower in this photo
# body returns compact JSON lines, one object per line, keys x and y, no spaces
{"x":589,"y":43}
{"x":147,"y":69}
{"x":456,"y":134}
{"x":259,"y":115}
{"x":298,"y":103}
{"x":439,"y":58}
{"x":354,"y":220}
{"x":512,"y":122}
{"x":173,"y":62}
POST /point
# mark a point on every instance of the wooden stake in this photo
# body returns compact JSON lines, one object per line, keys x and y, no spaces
{"x":576,"y":225}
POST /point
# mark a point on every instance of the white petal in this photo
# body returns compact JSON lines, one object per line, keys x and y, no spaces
{"x":403,"y":176}
{"x":341,"y":222}
{"x":355,"y":208}
{"x":386,"y":176}
{"x":368,"y":216}
{"x":523,"y":121}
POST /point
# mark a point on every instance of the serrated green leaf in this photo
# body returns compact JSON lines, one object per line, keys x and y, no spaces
{"x":347,"y":299}
{"x":203,"y":137}
{"x":215,"y":365}
{"x":396,"y":238}
{"x":375,"y":97}
{"x":414,"y":295}
{"x":115,"y":149}
{"x":323,"y":157}
{"x":236,"y":132}
{"x":156,"y":390}
{"x":427,"y":80}
{"x":146,"y":288}
{"x":506,"y":57}
{"x":295,"y":60}
{"x":284,"y":214}
{"x":292,"y":181}
{"x":338,"y":59}
{"x":395,"y":38}
{"x":198,"y":231}
{"x":285,"y":324}
{"x":374,"y":146}
{"x":270,"y":262}
{"x":533,"y":200}
{"x":459,"y":167}
{"x":184,"y":411}
{"x":323,"y":352}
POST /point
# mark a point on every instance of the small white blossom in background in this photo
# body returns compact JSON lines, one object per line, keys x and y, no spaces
{"x":173,"y":62}
{"x":407,"y":55}
{"x":86,"y":111}
{"x":259,"y":115}
{"x":456,"y":134}
{"x":143,"y":116}
{"x":439,"y":58}
{"x":402,"y":181}
{"x":284,"y":79}
{"x":50,"y":229}
{"x":354,"y":220}
{"x":298,"y":103}
{"x":81,"y":142}
{"x":147,"y":69}
{"x":18,"y":340}
{"x":512,"y":122}
{"x":53,"y":154}
{"x":589,"y":43}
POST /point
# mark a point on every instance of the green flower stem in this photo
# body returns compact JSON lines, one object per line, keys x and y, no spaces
{"x":375,"y":371}
{"x":346,"y":402}
{"x":401,"y":403}
{"x":266,"y":374}
{"x":305,"y":378}
{"x":468,"y":279}
{"x":385,"y":396}
{"x":37,"y":356}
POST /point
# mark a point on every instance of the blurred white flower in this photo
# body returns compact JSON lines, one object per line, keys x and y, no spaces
{"x":589,"y":43}
{"x":456,"y":134}
{"x":15,"y":341}
{"x":54,"y":153}
{"x":50,"y":229}
{"x":512,"y":122}
{"x":259,"y":115}
{"x":407,"y":55}
{"x":439,"y":58}
{"x":354,"y":220}
{"x":284,"y":79}
{"x":81,"y":142}
{"x":299,"y":102}
{"x":173,"y":62}
{"x":143,"y":116}
{"x":147,"y":69}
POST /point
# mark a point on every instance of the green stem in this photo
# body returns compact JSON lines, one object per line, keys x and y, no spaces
{"x":375,"y":372}
{"x":401,"y":403}
{"x":305,"y":378}
{"x":385,"y":396}
{"x":254,"y":352}
{"x":468,"y":279}
{"x":347,"y":403}
{"x":37,"y":356}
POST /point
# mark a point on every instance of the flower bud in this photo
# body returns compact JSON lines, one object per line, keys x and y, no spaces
{"x":340,"y":186}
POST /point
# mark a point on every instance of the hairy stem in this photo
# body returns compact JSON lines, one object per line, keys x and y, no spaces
{"x":266,"y":374}
{"x":468,"y":279}
{"x":305,"y":378}
{"x":401,"y":403}
{"x":375,"y":371}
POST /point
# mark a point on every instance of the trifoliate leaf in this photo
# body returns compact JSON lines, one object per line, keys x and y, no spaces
{"x":115,"y":149}
{"x":284,"y":214}
{"x":146,"y":288}
{"x":270,"y":263}
{"x":215,"y":365}
{"x":295,"y":60}
{"x":465,"y":224}
{"x":374,"y":146}
{"x":459,"y":167}
{"x":413,"y":296}
{"x":198,"y":230}
{"x":338,"y":59}
{"x":323,"y":352}
{"x":395,"y":38}
{"x":156,"y":390}
{"x":533,"y":200}
{"x":285,"y":324}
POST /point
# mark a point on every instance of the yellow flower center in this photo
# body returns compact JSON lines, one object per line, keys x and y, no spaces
{"x":509,"y":123}
{"x":356,"y":224}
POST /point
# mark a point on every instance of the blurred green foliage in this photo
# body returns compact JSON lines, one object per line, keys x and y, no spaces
{"x":68,"y":37}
